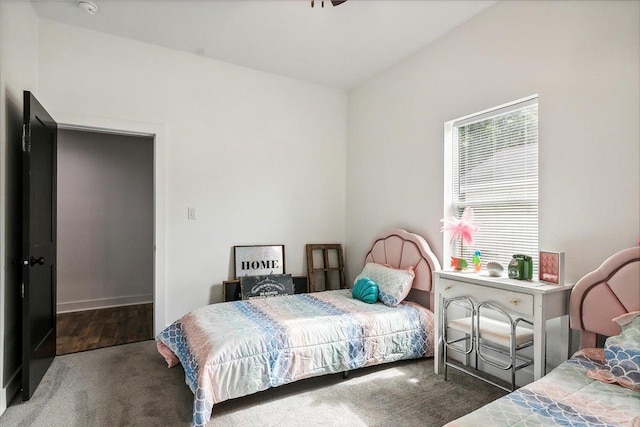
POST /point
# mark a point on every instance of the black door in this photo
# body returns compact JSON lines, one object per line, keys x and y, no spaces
{"x":38,"y":244}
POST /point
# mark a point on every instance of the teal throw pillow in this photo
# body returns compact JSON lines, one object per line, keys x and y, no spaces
{"x":365,"y":290}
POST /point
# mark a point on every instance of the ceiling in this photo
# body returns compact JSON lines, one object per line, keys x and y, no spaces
{"x":340,"y":46}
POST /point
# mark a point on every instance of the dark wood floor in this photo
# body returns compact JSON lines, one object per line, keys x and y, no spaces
{"x":91,"y":329}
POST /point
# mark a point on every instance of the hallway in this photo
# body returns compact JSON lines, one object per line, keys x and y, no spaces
{"x":90,"y":329}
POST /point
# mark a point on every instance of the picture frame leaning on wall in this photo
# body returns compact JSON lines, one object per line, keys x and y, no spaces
{"x":268,"y":286}
{"x":258,"y":260}
{"x":551,"y":268}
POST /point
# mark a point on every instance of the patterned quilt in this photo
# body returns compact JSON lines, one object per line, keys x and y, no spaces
{"x":564,"y":397}
{"x":234,"y":349}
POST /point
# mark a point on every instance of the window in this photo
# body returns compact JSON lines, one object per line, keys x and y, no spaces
{"x":491,"y":165}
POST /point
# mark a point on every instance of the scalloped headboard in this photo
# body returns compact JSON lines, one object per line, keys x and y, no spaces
{"x":609,"y":291}
{"x":401,"y":249}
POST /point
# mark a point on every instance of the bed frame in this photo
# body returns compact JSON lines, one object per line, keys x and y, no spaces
{"x":401,"y":249}
{"x":609,"y":291}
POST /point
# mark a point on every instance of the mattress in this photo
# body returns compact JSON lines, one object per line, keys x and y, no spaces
{"x":238,"y":348}
{"x":564,"y":397}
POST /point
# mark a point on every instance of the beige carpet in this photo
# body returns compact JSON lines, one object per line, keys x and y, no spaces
{"x":130,"y":385}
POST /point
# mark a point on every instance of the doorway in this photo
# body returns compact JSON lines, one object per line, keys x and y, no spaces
{"x":105,"y":239}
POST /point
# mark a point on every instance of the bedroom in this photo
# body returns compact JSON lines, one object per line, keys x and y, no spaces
{"x":581,"y":58}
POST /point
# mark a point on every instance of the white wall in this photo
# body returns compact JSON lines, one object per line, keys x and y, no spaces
{"x":105,"y":220}
{"x":260,"y":157}
{"x":18,"y":72}
{"x":582,"y":58}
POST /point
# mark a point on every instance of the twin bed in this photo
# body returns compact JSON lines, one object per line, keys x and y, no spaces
{"x":238,"y":348}
{"x":233,"y":349}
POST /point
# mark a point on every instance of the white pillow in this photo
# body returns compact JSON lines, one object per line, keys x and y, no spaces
{"x":394,"y":284}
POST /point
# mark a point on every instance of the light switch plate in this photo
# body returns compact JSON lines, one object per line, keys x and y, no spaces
{"x":191,"y":213}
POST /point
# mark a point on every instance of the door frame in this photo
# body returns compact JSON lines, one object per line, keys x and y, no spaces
{"x":157,"y":132}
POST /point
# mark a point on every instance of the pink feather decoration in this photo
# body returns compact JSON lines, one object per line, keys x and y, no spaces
{"x":462,"y":228}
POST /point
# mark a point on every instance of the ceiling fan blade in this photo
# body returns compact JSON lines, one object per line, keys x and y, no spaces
{"x":337,"y":2}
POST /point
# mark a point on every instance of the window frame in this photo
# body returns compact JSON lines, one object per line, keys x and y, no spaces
{"x":449,"y":207}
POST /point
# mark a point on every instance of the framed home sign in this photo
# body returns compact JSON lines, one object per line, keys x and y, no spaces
{"x":551,"y":268}
{"x":259,"y":260}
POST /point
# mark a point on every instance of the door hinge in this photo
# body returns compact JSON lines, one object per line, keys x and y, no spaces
{"x":22,"y":290}
{"x":26,"y":135}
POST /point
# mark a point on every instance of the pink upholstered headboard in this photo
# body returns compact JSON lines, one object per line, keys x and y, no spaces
{"x":401,"y":249}
{"x":609,"y":291}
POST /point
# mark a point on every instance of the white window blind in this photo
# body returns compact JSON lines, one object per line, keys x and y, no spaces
{"x":495,"y":172}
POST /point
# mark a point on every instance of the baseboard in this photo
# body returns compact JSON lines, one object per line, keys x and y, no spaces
{"x":67,"y":307}
{"x":11,"y":390}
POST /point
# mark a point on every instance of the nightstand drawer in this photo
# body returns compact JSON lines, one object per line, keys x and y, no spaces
{"x":514,"y":302}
